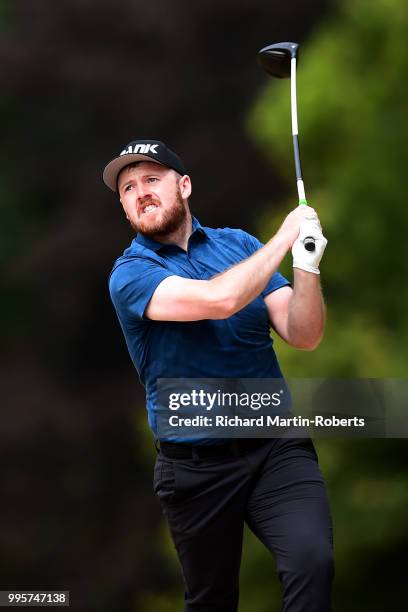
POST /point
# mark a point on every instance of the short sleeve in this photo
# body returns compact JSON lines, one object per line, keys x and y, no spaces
{"x":132,"y":284}
{"x":278,"y":280}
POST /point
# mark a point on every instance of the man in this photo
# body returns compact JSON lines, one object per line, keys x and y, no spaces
{"x":196,"y":302}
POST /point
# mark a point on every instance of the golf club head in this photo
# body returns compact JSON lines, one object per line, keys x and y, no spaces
{"x":275,"y":59}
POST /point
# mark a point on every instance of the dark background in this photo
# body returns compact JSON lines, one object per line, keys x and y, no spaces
{"x":79,"y":79}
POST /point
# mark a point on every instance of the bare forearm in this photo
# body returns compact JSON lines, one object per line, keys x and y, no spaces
{"x":306,"y":314}
{"x":181,"y":299}
{"x":244,"y":282}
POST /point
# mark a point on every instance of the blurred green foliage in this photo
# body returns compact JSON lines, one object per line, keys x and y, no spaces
{"x":352,"y":96}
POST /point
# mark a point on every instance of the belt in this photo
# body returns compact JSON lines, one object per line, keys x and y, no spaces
{"x":232,"y":448}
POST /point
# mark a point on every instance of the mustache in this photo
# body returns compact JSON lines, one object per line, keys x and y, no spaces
{"x":148,"y":200}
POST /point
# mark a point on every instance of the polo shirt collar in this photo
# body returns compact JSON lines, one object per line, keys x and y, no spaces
{"x":151,"y":244}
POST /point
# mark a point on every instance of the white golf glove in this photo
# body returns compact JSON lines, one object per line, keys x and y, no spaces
{"x":302,"y":258}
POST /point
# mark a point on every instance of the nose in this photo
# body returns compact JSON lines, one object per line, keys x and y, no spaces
{"x":143,"y":190}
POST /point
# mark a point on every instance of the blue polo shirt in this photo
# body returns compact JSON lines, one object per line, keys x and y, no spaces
{"x":237,"y":347}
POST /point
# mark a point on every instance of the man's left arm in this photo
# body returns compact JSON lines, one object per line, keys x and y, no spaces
{"x":298,"y":314}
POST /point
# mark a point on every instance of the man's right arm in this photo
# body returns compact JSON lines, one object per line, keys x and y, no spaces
{"x":181,"y":299}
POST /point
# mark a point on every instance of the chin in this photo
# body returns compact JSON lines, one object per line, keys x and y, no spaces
{"x":150,"y":225}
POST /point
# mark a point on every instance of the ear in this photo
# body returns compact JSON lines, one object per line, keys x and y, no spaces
{"x":185,"y":187}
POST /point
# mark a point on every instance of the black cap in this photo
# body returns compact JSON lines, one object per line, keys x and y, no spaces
{"x":141,"y":150}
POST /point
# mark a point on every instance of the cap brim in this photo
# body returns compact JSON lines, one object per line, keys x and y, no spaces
{"x":111,"y":171}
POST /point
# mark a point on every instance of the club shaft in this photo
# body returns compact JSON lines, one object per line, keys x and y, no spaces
{"x":298,"y":169}
{"x":309,"y":242}
{"x":295,"y":131}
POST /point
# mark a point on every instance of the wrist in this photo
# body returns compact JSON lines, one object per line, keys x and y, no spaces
{"x":308,"y":280}
{"x":283,"y":239}
{"x":306,"y":268}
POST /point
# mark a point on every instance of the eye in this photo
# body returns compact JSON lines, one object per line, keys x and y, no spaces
{"x":128,"y":187}
{"x":152,"y":179}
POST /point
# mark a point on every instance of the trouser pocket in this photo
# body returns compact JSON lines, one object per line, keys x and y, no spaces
{"x":164,"y":479}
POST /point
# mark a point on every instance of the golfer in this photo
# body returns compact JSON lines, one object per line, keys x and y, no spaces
{"x":197,"y":302}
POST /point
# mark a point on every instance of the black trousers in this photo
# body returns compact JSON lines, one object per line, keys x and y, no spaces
{"x":278,"y":490}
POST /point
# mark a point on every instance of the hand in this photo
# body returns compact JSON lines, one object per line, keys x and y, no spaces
{"x":309,"y":260}
{"x":290,"y":228}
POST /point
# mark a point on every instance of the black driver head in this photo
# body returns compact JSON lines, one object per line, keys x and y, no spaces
{"x":275,"y":59}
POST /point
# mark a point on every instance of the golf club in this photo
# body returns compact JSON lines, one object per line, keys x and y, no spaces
{"x":279,"y":60}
